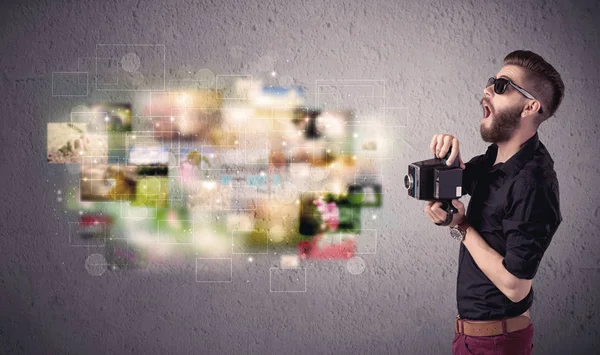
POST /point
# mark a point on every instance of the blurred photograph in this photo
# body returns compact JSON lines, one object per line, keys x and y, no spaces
{"x":117,"y":116}
{"x":194,"y":114}
{"x":108,"y":183}
{"x":70,"y":142}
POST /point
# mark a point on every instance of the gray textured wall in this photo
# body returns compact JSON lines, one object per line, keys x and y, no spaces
{"x":434,"y":57}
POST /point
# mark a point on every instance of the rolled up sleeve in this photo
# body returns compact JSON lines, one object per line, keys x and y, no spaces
{"x":532,"y":217}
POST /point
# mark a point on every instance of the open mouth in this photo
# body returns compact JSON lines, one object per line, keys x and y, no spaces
{"x":486,"y":111}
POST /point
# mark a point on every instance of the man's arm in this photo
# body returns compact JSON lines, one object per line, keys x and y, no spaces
{"x":533,"y":216}
{"x":491,"y":263}
{"x":472,"y":169}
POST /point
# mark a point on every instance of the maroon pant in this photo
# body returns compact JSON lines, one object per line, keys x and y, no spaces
{"x":519,"y":342}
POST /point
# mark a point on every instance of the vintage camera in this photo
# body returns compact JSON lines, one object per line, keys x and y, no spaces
{"x":433,"y":180}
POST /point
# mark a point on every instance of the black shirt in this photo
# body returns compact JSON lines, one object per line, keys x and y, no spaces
{"x":515,"y":207}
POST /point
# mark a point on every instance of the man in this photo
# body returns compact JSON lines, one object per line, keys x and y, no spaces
{"x":513,"y":212}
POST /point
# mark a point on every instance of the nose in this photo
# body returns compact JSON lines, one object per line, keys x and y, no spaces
{"x":488,"y":91}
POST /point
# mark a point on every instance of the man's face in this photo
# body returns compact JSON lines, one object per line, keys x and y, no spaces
{"x":502,"y":112}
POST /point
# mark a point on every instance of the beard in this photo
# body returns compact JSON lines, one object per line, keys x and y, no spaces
{"x":503,"y":125}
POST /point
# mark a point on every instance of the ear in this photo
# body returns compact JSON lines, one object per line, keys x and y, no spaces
{"x":531,"y":108}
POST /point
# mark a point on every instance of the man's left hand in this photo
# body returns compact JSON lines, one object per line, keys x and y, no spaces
{"x":438,"y":215}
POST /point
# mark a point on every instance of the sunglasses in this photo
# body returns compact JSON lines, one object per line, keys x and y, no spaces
{"x":501,"y":84}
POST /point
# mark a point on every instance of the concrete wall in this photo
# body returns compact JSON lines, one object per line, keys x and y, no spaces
{"x":434,"y":56}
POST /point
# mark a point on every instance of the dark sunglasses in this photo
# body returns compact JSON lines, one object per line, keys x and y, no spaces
{"x":501,"y":84}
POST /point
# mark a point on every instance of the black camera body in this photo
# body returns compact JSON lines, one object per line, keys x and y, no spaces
{"x":432,"y":180}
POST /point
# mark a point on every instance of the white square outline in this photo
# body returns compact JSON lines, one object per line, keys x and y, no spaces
{"x":84,"y":113}
{"x":230,"y":189}
{"x":323,"y":101}
{"x":360,"y":153}
{"x":385,"y":117}
{"x":277,"y":268}
{"x":116,"y":69}
{"x":220,"y":281}
{"x":349,"y":86}
{"x":128,"y":203}
{"x":358,"y":242}
{"x":170,"y":88}
{"x":350,"y":82}
{"x":164,"y":73}
{"x":94,"y":61}
{"x":87,"y":83}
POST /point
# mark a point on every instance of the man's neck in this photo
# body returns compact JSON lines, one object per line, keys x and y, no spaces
{"x":510,"y":147}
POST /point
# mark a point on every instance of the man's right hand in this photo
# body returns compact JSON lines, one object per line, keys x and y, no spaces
{"x":441,"y":143}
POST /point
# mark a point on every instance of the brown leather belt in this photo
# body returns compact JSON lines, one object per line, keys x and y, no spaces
{"x":490,"y":328}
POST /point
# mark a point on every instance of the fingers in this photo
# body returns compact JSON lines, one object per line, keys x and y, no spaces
{"x":446,"y":141}
{"x":459,"y":206}
{"x":427,"y":207}
{"x":441,"y":144}
{"x":436,"y":144}
{"x":438,"y":212}
{"x":433,"y":144}
{"x":455,"y":151}
{"x":434,"y":212}
{"x":428,"y":212}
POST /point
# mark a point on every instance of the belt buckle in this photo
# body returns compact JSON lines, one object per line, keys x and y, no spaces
{"x":457,"y":324}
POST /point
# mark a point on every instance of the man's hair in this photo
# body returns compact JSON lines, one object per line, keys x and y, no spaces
{"x":545,"y":80}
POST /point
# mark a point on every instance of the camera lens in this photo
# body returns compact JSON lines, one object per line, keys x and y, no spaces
{"x":408,"y":181}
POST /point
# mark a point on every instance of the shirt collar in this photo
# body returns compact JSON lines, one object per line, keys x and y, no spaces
{"x":517,"y":161}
